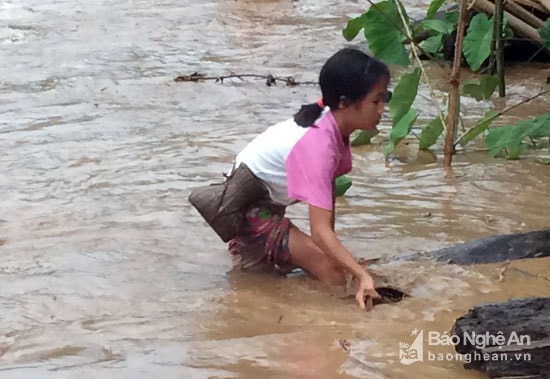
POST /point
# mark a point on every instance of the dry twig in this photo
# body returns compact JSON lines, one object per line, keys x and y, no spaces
{"x":269,"y":79}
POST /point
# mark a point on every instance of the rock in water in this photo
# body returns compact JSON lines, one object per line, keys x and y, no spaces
{"x":498,"y":248}
{"x":524,"y":348}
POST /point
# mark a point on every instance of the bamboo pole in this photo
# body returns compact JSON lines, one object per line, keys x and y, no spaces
{"x":499,"y":45}
{"x":493,"y":56}
{"x":454,"y":98}
{"x":523,"y":14}
{"x":531,"y":5}
{"x":515,"y":23}
{"x":545,"y":4}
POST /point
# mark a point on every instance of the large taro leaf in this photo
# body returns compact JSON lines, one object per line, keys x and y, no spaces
{"x":341,"y":185}
{"x":439,"y":26}
{"x":481,"y":89}
{"x":404,"y":95}
{"x":545,"y":34}
{"x":432,"y":44}
{"x":353,"y":28}
{"x":430,"y":133}
{"x":477,"y":43}
{"x":433,"y":8}
{"x":504,"y":137}
{"x":452,"y":17}
{"x":480,"y":126}
{"x":544,"y":126}
{"x":400,"y":130}
{"x":383,"y":30}
{"x":364,"y":137}
{"x":510,"y":137}
{"x":515,"y":151}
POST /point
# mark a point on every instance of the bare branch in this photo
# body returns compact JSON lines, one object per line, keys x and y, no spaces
{"x":269,"y":79}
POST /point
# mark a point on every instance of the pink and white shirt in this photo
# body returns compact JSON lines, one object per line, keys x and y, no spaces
{"x":299,"y":164}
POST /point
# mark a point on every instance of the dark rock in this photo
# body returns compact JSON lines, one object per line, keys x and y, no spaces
{"x":389,"y":295}
{"x":524,"y":348}
{"x":498,"y":248}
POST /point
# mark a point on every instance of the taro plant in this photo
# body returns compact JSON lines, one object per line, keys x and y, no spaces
{"x":388,"y":29}
{"x":511,"y":138}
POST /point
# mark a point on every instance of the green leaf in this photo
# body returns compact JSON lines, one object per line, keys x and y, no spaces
{"x":544,"y":126}
{"x":481,"y":89}
{"x":341,"y":185}
{"x":430,"y":133}
{"x":439,"y":26}
{"x":389,"y":148}
{"x":353,"y":28}
{"x":545,"y":160}
{"x":493,"y":152}
{"x":434,"y":7}
{"x":513,"y":153}
{"x":401,"y":129}
{"x":502,"y":137}
{"x":545,"y":34}
{"x":452,"y":17}
{"x":477,"y":43}
{"x":404,"y":95}
{"x":383,"y":37}
{"x":510,"y":137}
{"x":364,"y":137}
{"x":432,"y":44}
{"x":480,"y":126}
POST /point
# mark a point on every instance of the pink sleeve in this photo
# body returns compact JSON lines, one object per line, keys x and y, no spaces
{"x":310,"y":169}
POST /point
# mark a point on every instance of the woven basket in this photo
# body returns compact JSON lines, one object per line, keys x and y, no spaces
{"x":224,"y":205}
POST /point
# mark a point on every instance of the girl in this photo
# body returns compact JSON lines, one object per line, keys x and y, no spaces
{"x":298,"y":160}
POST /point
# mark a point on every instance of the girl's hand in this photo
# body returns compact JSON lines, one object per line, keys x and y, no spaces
{"x":365,"y":290}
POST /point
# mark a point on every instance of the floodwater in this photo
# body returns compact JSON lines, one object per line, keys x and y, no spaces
{"x":107,"y":272}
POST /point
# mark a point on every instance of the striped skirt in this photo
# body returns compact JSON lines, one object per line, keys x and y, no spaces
{"x":263,"y":242}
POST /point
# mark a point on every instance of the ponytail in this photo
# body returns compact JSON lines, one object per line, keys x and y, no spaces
{"x":309,"y":113}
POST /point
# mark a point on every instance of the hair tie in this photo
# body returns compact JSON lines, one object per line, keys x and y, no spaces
{"x":320,"y":103}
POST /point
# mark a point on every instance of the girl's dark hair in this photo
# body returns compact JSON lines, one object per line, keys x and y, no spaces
{"x":348,"y":75}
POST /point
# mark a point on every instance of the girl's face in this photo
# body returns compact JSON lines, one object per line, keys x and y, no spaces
{"x":366,"y":114}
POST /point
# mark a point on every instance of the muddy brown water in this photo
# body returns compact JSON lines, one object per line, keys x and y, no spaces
{"x":107,"y":272}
